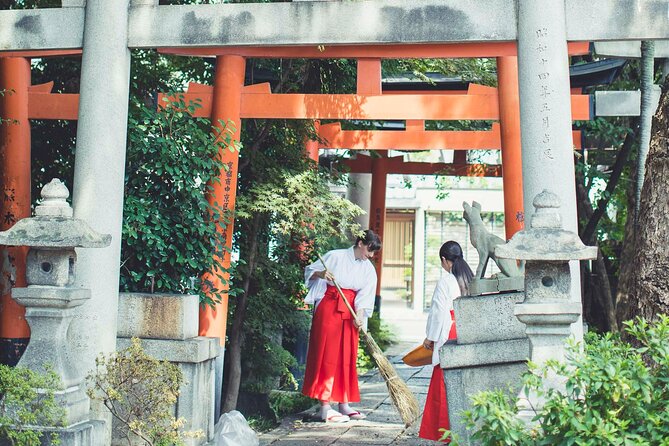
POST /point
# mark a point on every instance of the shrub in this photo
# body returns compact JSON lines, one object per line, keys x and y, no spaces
{"x":383,"y":337}
{"x":614,"y":394}
{"x":170,"y":230}
{"x":284,"y":402}
{"x":27,"y":399}
{"x":140,"y":391}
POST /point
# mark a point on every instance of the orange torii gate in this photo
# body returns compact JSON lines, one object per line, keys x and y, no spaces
{"x":230,"y":100}
{"x":20,"y":103}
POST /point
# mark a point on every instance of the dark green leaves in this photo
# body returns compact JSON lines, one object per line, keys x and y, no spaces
{"x":169,"y":228}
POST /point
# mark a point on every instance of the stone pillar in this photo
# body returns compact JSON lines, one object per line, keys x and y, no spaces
{"x":99,"y":174}
{"x":545,"y":114}
{"x":15,"y":181}
{"x":547,"y":310}
{"x":509,"y":119}
{"x":226,"y":108}
{"x":358,"y":192}
{"x":419,"y":261}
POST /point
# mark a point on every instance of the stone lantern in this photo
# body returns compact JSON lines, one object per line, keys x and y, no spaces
{"x":50,"y":301}
{"x":547,"y":310}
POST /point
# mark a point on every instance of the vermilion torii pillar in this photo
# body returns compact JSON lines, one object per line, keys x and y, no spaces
{"x":369,"y":83}
{"x":509,"y":118}
{"x":225,"y":111}
{"x":311,"y":145}
{"x":15,"y":177}
{"x":226,"y":106}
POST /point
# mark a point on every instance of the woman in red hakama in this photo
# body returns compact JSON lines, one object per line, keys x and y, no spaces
{"x":331,"y":373}
{"x":440,"y":328}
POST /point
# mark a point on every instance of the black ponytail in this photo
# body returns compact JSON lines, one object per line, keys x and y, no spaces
{"x":452,"y":251}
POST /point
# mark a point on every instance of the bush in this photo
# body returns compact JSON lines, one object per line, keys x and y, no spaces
{"x":383,"y":337}
{"x":28,"y":400}
{"x":285,"y":403}
{"x":614,"y":394}
{"x":170,"y":235}
{"x":140,"y":392}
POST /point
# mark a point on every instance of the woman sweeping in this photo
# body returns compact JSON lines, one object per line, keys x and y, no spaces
{"x":440,"y":328}
{"x":331,"y":373}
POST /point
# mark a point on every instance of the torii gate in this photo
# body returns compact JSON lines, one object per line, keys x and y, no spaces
{"x":540,"y":27}
{"x":257,"y":101}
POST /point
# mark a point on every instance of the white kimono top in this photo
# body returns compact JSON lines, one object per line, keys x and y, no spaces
{"x":349,"y":272}
{"x":439,"y":320}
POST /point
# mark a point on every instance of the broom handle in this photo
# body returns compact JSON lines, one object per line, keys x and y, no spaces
{"x":341,"y":293}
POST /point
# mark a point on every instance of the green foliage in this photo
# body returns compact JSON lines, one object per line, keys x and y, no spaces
{"x":285,"y":403}
{"x":383,"y":337}
{"x":479,"y":70}
{"x":170,"y":235}
{"x":614,"y":394}
{"x":27,"y":399}
{"x":299,"y":197}
{"x":140,"y":392}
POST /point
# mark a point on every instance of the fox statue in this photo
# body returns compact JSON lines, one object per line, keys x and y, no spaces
{"x":485,"y":243}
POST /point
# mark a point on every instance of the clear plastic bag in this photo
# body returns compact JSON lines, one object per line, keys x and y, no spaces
{"x":232,"y":429}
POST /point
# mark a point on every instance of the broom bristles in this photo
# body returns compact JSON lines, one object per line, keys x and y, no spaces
{"x":402,"y":397}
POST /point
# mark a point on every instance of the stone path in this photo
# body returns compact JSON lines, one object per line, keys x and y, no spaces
{"x":383,"y":426}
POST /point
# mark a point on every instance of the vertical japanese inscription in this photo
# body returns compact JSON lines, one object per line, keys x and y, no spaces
{"x":545,"y":92}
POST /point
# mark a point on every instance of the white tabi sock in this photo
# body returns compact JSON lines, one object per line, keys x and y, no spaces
{"x":345,"y":409}
{"x":324,"y":411}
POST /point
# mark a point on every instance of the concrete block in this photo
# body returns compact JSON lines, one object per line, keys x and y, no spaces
{"x":196,"y":358}
{"x":623,"y":103}
{"x":158,"y":316}
{"x":83,"y":434}
{"x":629,"y":49}
{"x":194,"y":350}
{"x":487,"y":318}
{"x":454,"y":355}
{"x":463,"y":383}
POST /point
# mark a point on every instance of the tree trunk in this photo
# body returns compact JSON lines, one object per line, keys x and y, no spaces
{"x":233,"y":355}
{"x":602,"y":290}
{"x":645,"y":117}
{"x":647,"y":281}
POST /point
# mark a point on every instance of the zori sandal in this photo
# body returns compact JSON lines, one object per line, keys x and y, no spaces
{"x":335,"y":417}
{"x":356,"y":416}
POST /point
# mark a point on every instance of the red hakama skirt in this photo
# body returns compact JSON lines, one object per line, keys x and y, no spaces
{"x":331,"y":373}
{"x":435,"y":414}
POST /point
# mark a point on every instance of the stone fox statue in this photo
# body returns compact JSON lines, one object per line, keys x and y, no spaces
{"x":485,"y":243}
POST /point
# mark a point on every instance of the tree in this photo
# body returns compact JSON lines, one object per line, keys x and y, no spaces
{"x":648,"y":292}
{"x":283,"y":203}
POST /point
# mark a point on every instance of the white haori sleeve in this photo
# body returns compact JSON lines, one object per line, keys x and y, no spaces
{"x":367,"y":293}
{"x":315,"y":285}
{"x":439,"y":315}
{"x":439,"y":320}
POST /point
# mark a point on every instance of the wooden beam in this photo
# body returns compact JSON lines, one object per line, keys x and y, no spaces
{"x":395,"y":51}
{"x":396,"y":165}
{"x":53,"y":105}
{"x":380,"y":107}
{"x":333,"y":137}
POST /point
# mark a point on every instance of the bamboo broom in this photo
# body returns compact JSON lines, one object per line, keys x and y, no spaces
{"x":403,"y":399}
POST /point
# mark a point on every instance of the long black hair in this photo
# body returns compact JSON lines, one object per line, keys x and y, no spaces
{"x":452,"y":251}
